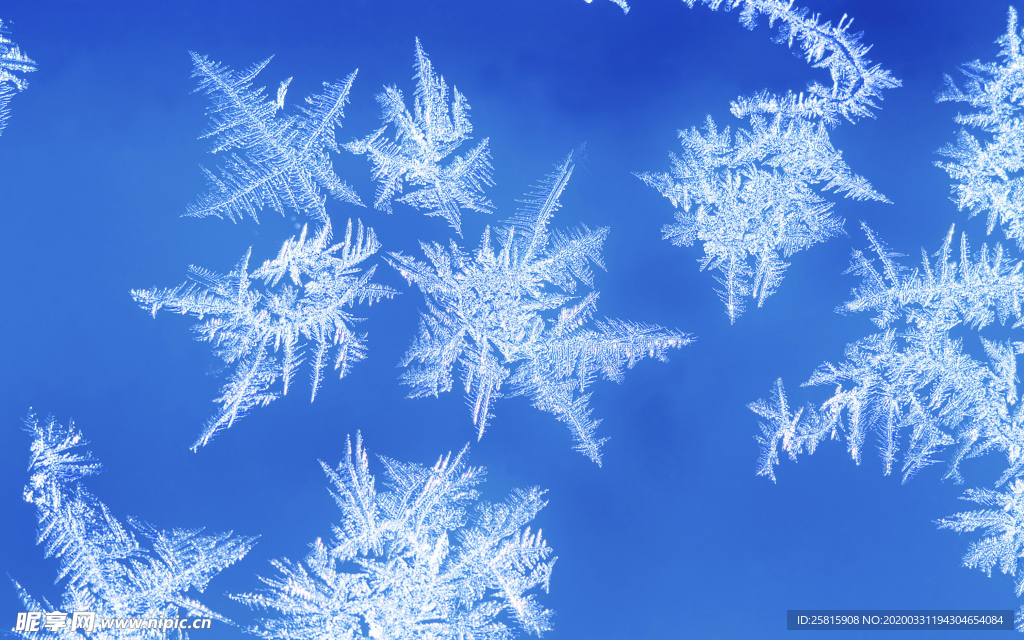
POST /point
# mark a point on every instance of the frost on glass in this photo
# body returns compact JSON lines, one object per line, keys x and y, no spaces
{"x":424,"y":138}
{"x":755,"y":198}
{"x":277,"y":161}
{"x":104,"y":567}
{"x":266,"y":324}
{"x":507,"y":317}
{"x":987,"y":158}
{"x":422,"y":559}
{"x":13,"y":64}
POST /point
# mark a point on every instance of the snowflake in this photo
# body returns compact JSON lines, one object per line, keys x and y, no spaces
{"x":284,"y":161}
{"x":755,"y":199}
{"x":423,"y":139}
{"x":756,"y":204}
{"x":12,"y":62}
{"x":487,"y":312}
{"x":105,"y":568}
{"x":265,"y":334}
{"x":411,"y":563}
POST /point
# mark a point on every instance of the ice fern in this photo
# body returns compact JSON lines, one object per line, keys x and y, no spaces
{"x":301,"y":311}
{"x":757,"y":198}
{"x":277,"y":161}
{"x":987,"y":169}
{"x":423,"y":139}
{"x":12,"y":63}
{"x":411,"y":562}
{"x":493,"y":313}
{"x":751,"y":200}
{"x":104,"y":567}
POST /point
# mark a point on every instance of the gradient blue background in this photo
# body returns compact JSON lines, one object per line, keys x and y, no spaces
{"x":675,"y":537}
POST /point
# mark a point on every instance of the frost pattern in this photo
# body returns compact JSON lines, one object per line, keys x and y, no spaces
{"x":755,"y":196}
{"x":750,"y":200}
{"x":12,"y":63}
{"x":284,"y":161}
{"x":411,"y":563}
{"x":423,"y":139}
{"x":105,"y":568}
{"x":987,"y":169}
{"x":265,"y":335}
{"x":488,"y":313}
{"x":914,"y":379}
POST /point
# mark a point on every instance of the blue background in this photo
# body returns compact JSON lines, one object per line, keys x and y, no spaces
{"x":675,"y":537}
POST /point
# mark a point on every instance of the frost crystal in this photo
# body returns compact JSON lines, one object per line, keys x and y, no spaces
{"x":914,"y":379}
{"x":411,"y":563}
{"x":489,"y":313}
{"x":106,"y":570}
{"x":284,"y":161}
{"x":987,"y":171}
{"x":752,"y":199}
{"x":423,"y":139}
{"x":12,"y":62}
{"x":265,"y":334}
{"x":755,"y":200}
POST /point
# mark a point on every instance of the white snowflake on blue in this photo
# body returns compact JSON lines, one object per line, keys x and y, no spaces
{"x":493,"y":313}
{"x":266,"y":324}
{"x":278,"y":161}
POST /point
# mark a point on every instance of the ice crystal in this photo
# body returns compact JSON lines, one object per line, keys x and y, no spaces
{"x":284,"y":161}
{"x":423,"y":139}
{"x":410,"y":562}
{"x":105,"y":568}
{"x":857,"y":84}
{"x":12,"y":63}
{"x":265,"y":334}
{"x":751,"y":199}
{"x":914,"y":379}
{"x":755,"y":198}
{"x":987,"y":169}
{"x":489,"y":313}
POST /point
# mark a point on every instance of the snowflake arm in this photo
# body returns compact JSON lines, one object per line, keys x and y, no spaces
{"x":856,"y":83}
{"x":106,"y":569}
{"x":424,"y":137}
{"x":283,"y":161}
{"x":307,"y":293}
{"x":12,"y":63}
